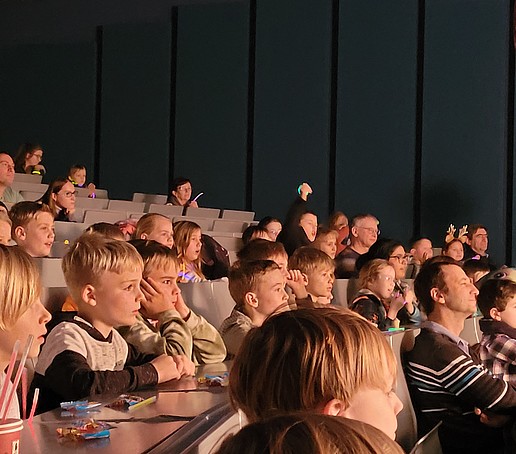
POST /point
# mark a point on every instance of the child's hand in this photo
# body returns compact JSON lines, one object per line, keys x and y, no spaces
{"x":397,"y":302}
{"x":166,"y":368}
{"x":410,"y":297}
{"x":297,"y":281}
{"x":181,"y":307}
{"x":184,"y":365}
{"x":158,"y":298}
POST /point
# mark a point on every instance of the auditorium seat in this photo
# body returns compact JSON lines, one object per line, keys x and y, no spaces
{"x":238,"y":215}
{"x":149,"y":199}
{"x":340,"y":292}
{"x":94,"y":216}
{"x":471,"y":332}
{"x":99,"y":193}
{"x":68,"y":230}
{"x":166,"y":210}
{"x":205,"y":224}
{"x":91,"y":204}
{"x":32,"y":187}
{"x":27,"y":178}
{"x":230,"y":243}
{"x":430,"y":443}
{"x":126,"y":205}
{"x":31,"y":196}
{"x":52,"y":279}
{"x":224,"y":225}
{"x":202,"y":212}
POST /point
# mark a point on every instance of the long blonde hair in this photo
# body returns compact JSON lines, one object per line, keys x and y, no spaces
{"x":183,"y":231}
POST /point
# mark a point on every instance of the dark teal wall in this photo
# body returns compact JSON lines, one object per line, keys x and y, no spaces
{"x":249,"y":98}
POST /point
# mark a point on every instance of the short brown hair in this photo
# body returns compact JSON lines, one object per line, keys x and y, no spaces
{"x":299,"y":360}
{"x":260,"y":249}
{"x":431,"y":276}
{"x":22,"y":213}
{"x":495,"y":293}
{"x":307,"y":259}
{"x":244,"y":276}
{"x":92,"y":255}
{"x":155,"y":255}
{"x":472,"y":229}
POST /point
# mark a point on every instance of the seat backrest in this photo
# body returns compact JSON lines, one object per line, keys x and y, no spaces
{"x":471,"y":332}
{"x":430,"y":443}
{"x":31,"y":196}
{"x":238,"y":215}
{"x":91,"y":204}
{"x":224,"y":225}
{"x":202,"y":212}
{"x":166,"y":210}
{"x":149,"y":199}
{"x":99,"y":193}
{"x":126,"y":205}
{"x":206,"y":224}
{"x":230,"y":243}
{"x":27,"y":178}
{"x":340,"y":292}
{"x":94,"y":216}
{"x":33,"y":187}
{"x":68,"y":230}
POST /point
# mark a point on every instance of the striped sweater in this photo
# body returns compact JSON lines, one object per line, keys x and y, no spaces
{"x":446,"y":384}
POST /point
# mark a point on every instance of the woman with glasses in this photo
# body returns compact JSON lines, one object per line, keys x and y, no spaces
{"x":60,"y":197}
{"x":28,"y":159}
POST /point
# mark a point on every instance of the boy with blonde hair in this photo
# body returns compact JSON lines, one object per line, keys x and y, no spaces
{"x":33,"y":227}
{"x":319,"y":270}
{"x":179,"y":330}
{"x":83,"y":354}
{"x":258,"y":289}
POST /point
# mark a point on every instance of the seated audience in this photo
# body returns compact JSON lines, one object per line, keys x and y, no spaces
{"x":300,"y":226}
{"x":181,"y":192}
{"x":447,"y":380}
{"x":420,"y":251}
{"x":60,"y":197}
{"x":476,"y":269}
{"x":331,"y":361}
{"x":8,"y":194}
{"x":154,"y":226}
{"x":363,"y":234}
{"x":319,"y":269}
{"x":77,"y":176}
{"x":326,"y":241}
{"x":179,"y":330}
{"x":188,"y":244}
{"x":107,"y":230}
{"x":21,"y":311}
{"x":5,"y":229}
{"x":254,"y":232}
{"x":376,"y":300}
{"x":28,"y":159}
{"x":272,"y":226}
{"x":33,"y":228}
{"x":300,"y":433}
{"x":83,"y":355}
{"x":258,"y":289}
{"x":338,"y":221}
{"x":454,"y":245}
{"x":477,"y":243}
{"x":497,"y":301}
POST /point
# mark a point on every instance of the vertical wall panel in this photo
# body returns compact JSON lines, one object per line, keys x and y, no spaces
{"x":135,"y":109}
{"x":47,"y":95}
{"x":211,"y":101}
{"x":464,"y":117}
{"x":376,"y":112}
{"x":292,"y":103}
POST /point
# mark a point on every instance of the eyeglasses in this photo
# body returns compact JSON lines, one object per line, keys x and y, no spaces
{"x":370,"y":230}
{"x":383,"y":277}
{"x":401,"y":258}
{"x":38,"y":155}
{"x":69,"y":194}
{"x":7,"y":165}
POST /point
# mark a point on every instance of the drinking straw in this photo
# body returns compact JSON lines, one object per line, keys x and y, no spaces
{"x":28,"y":345}
{"x":34,"y":405}
{"x":24,"y":392}
{"x":14,"y":355}
{"x":143,"y":403}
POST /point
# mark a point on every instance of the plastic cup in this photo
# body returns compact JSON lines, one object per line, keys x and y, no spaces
{"x":10,"y":436}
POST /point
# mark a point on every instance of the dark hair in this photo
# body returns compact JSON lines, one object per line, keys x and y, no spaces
{"x":264,"y":222}
{"x":431,"y":276}
{"x":473,"y":266}
{"x":381,"y":249}
{"x":179,"y":181}
{"x":247,"y":236}
{"x":23,"y":150}
{"x":107,"y":230}
{"x":472,"y":229}
{"x":333,"y":219}
{"x":449,"y":243}
{"x":243,"y":277}
{"x":260,"y":249}
{"x":495,"y":293}
{"x":53,"y":188}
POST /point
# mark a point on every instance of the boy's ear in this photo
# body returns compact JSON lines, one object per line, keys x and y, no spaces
{"x":19,"y":232}
{"x":144,"y":236}
{"x":495,"y":314}
{"x":251,"y":299}
{"x":88,"y":295}
{"x":334,"y":407}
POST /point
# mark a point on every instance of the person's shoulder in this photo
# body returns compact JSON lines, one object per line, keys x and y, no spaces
{"x":236,"y":320}
{"x":349,"y":252}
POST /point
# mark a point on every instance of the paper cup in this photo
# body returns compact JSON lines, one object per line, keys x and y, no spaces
{"x":10,"y":436}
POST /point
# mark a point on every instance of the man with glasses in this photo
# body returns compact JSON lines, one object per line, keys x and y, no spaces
{"x":363,"y":234}
{"x":8,"y":194}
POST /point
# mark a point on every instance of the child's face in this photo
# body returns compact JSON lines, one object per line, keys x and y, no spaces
{"x":456,"y":251}
{"x":270,"y":292}
{"x":328,"y":244}
{"x":116,"y":300}
{"x":65,"y":198}
{"x":320,"y":282}
{"x":508,"y":315}
{"x":309,"y":224}
{"x":377,"y":407}
{"x":79,"y":176}
{"x":273,"y":230}
{"x":162,"y":232}
{"x":399,"y":262}
{"x":5,"y":233}
{"x":167,"y":276}
{"x":33,"y":322}
{"x":194,"y":246}
{"x":37,"y":237}
{"x":282,"y":261}
{"x":383,"y":283}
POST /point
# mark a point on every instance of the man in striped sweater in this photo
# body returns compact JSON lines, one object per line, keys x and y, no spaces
{"x":447,"y":381}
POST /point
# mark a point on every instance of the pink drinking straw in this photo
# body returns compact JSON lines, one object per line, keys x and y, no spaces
{"x":14,"y":355}
{"x":34,"y":405}
{"x":24,"y":392}
{"x":28,"y":345}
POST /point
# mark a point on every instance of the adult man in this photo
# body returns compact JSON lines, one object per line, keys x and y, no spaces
{"x":7,"y":194}
{"x":476,"y":244}
{"x":420,"y":251}
{"x":363,"y":234}
{"x":447,"y":381}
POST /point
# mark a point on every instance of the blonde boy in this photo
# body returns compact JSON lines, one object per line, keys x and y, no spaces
{"x":258,"y":289}
{"x":83,"y":355}
{"x":319,"y":270}
{"x":179,"y":330}
{"x":33,"y":227}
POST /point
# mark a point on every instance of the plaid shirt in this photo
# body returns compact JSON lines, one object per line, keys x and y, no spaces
{"x":498,"y":350}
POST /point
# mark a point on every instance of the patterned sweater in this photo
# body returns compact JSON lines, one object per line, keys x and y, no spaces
{"x":446,"y":384}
